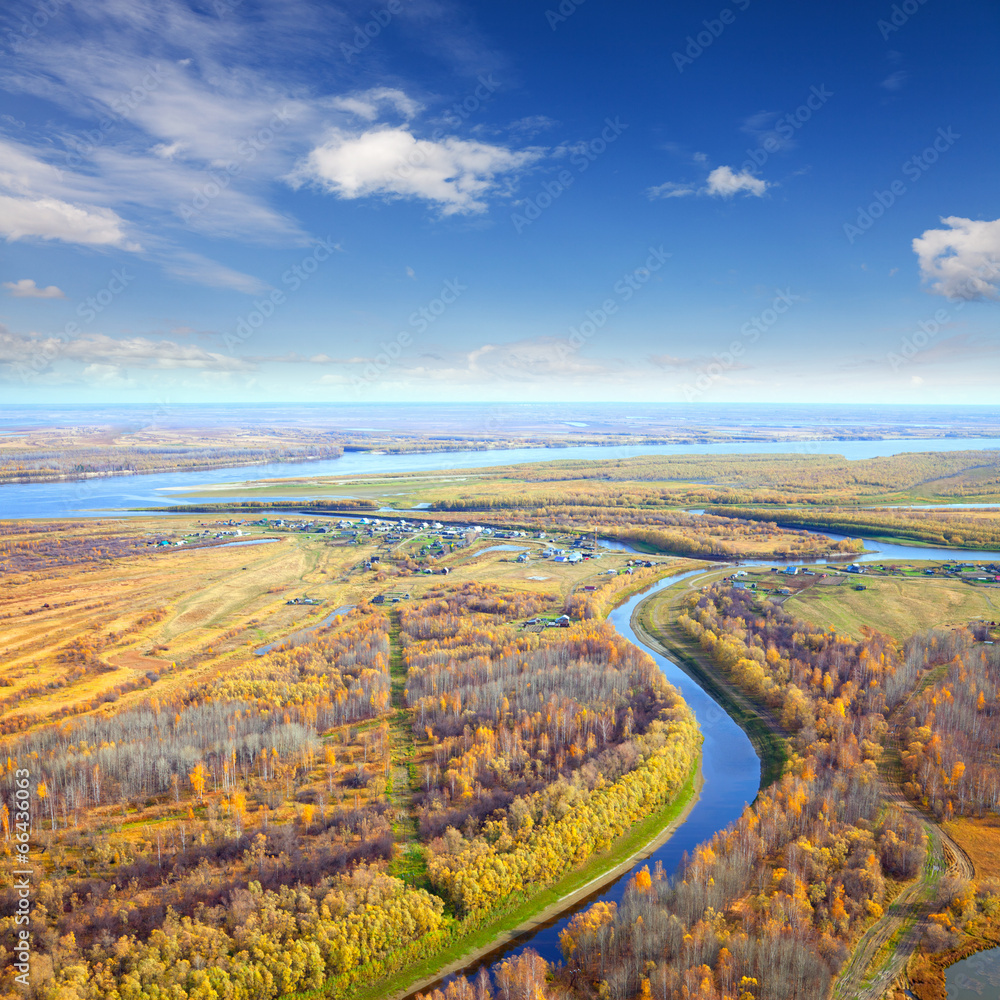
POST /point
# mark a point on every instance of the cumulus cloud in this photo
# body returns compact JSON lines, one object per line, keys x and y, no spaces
{"x":963,"y":260}
{"x":455,"y":174}
{"x":724,"y":183}
{"x":27,"y":289}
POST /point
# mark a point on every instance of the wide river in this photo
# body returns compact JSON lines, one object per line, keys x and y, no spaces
{"x":96,"y":497}
{"x":730,"y":766}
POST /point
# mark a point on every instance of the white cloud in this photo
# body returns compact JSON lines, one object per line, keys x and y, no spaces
{"x":366,"y":104}
{"x":962,"y":261}
{"x":453,"y":173}
{"x":724,"y":183}
{"x":53,"y":219}
{"x":27,"y":289}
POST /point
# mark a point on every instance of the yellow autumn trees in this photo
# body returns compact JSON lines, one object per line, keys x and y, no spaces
{"x":570,"y":821}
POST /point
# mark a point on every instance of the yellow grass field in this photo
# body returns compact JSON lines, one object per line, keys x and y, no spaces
{"x":980,"y":839}
{"x":897,"y":606}
{"x":187,"y":613}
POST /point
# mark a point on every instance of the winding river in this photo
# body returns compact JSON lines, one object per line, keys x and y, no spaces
{"x":731,"y":773}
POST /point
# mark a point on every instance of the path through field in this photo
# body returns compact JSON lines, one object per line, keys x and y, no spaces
{"x":883,"y":952}
{"x":409,"y":863}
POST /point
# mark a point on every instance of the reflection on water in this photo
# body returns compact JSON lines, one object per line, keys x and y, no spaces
{"x":249,"y":541}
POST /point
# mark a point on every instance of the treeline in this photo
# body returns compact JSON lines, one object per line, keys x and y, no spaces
{"x":255,"y":506}
{"x":956,"y":529}
{"x":250,"y":723}
{"x":728,"y":541}
{"x":951,"y":736}
{"x":597,"y":602}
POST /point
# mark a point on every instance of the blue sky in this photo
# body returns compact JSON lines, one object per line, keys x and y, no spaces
{"x":430,"y":200}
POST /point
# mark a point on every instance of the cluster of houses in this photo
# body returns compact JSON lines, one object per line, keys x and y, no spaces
{"x":537,"y":624}
{"x":988,"y":572}
{"x":561,"y":555}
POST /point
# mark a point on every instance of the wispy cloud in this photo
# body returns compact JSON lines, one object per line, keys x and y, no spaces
{"x":201,"y":270}
{"x":762,"y":127}
{"x":895,"y":81}
{"x":670,"y":189}
{"x":368,"y":103}
{"x":125,"y":353}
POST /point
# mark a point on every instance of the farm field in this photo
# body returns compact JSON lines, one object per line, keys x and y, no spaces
{"x":897,"y":606}
{"x":181,"y":611}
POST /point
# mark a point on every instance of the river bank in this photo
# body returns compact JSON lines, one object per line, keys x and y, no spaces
{"x":538,"y":911}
